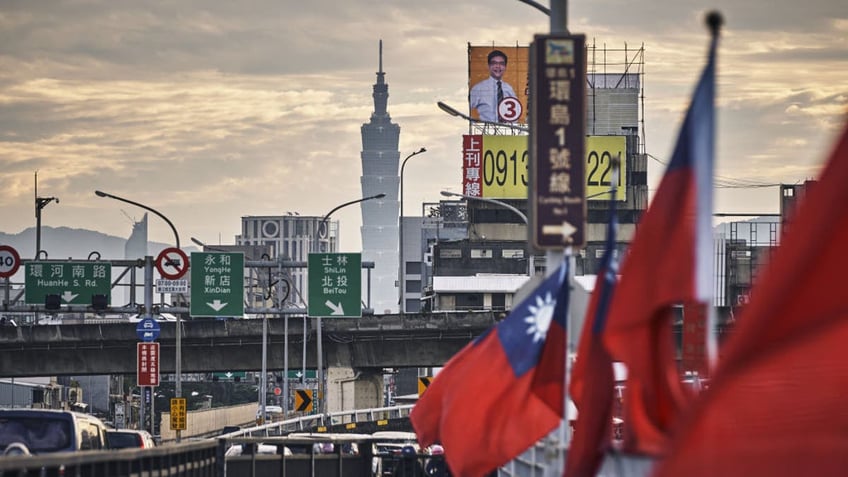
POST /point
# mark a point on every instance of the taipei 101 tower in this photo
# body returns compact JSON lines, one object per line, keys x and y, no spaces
{"x":380,"y":157}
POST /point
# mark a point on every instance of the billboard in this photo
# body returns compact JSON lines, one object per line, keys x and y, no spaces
{"x":495,"y":166}
{"x":483,"y":75}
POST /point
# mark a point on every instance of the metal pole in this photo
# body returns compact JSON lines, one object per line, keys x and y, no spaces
{"x":559,"y":16}
{"x":401,"y":268}
{"x":322,"y":406}
{"x":263,"y":379}
{"x":148,"y":313}
{"x":323,"y":230}
{"x":148,"y":288}
{"x":285,"y":340}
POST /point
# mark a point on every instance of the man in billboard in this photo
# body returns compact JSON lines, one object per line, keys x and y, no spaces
{"x":487,"y":94}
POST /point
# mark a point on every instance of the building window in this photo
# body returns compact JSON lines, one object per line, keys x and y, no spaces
{"x":481,"y":253}
{"x":450,"y":253}
{"x":469,"y":301}
{"x":413,"y":286}
{"x":413,"y":305}
{"x":413,"y":268}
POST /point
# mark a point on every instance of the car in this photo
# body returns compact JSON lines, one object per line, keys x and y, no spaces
{"x":261,"y":448}
{"x":38,"y":431}
{"x":128,"y":438}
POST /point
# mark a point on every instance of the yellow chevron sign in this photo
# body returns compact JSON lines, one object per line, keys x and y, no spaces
{"x":303,"y":400}
{"x":423,"y":382}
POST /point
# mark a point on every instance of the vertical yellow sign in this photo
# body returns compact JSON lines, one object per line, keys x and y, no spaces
{"x":178,"y":414}
{"x":423,"y":383}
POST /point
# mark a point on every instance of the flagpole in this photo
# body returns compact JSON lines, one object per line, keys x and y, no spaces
{"x":565,"y":430}
{"x":714,"y":21}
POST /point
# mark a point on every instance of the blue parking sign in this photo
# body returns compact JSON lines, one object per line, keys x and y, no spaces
{"x":147,"y":329}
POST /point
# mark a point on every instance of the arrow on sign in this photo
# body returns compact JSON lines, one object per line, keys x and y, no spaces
{"x":217,"y":305}
{"x":68,"y":296}
{"x":303,"y":400}
{"x":337,"y":309}
{"x":566,"y":230}
{"x":229,"y":375}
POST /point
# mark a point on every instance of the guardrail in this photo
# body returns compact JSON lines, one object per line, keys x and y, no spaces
{"x":206,"y":458}
{"x":314,"y":421}
{"x":201,"y":459}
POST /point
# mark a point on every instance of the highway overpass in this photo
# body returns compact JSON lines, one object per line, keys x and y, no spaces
{"x":375,"y":341}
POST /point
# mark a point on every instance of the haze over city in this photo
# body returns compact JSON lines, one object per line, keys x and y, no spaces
{"x":209,"y":111}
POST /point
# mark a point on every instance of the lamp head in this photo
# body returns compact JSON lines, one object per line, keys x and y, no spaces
{"x":100,"y":193}
{"x":380,"y":195}
{"x":449,"y":194}
{"x":423,"y":149}
{"x":444,"y":107}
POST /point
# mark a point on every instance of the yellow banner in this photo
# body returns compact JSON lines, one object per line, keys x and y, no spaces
{"x":504,"y":171}
{"x":600,"y":150}
{"x":501,"y":167}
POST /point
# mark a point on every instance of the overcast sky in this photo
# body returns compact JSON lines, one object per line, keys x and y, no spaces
{"x":211,"y":110}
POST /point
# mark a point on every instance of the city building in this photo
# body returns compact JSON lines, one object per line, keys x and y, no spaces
{"x":290,"y":237}
{"x":380,"y":157}
{"x":484,"y":266}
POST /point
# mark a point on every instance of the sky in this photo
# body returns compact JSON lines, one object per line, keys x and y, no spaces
{"x":210,"y":110}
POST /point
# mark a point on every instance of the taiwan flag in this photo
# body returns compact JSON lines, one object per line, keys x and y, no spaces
{"x":776,"y":405}
{"x":668,"y":263}
{"x":497,"y":396}
{"x":592,"y":379}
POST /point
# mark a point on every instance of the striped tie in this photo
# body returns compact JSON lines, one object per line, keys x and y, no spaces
{"x":500,"y":98}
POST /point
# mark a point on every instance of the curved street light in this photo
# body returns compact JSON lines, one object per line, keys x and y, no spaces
{"x":401,"y":268}
{"x":322,"y":226}
{"x":322,"y":231}
{"x":173,"y":229}
{"x":453,"y":112}
{"x":493,"y":201}
{"x":148,"y":293}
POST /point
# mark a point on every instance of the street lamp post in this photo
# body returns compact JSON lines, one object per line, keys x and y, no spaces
{"x":454,"y":112}
{"x":502,"y":204}
{"x":401,"y":268}
{"x":148,"y":295}
{"x":40,"y":203}
{"x":322,"y":231}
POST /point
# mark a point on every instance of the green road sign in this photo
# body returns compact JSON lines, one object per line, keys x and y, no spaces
{"x":230,"y":375}
{"x":74,"y":282}
{"x":310,"y":374}
{"x":217,"y":284}
{"x":335,"y":285}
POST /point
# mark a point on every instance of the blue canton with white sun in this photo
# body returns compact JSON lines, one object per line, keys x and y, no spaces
{"x":523,"y":332}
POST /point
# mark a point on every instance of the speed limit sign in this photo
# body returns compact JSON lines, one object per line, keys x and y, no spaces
{"x":10,"y":261}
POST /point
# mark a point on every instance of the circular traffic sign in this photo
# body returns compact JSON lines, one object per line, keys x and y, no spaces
{"x":172,"y":263}
{"x":277,"y":391}
{"x":10,"y":261}
{"x":510,"y":109}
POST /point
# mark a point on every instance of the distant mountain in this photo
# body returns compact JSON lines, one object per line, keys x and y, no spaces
{"x":67,"y":243}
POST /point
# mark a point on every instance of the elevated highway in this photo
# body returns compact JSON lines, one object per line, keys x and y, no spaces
{"x":375,"y":341}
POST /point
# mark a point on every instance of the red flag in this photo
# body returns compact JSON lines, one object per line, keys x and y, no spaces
{"x":492,"y":400}
{"x":592,"y":379}
{"x":777,"y":403}
{"x":668,"y":262}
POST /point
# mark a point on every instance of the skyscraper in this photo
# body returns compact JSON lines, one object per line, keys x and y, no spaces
{"x":380,"y":157}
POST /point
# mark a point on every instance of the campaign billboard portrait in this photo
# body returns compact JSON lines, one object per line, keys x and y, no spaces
{"x":498,"y":83}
